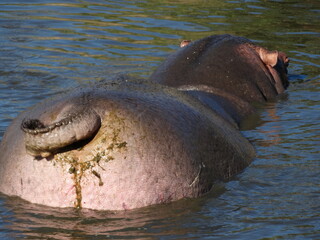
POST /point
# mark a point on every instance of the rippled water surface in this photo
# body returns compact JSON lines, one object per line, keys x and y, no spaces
{"x":48,"y":46}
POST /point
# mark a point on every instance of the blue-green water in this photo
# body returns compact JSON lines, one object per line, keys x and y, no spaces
{"x":48,"y":46}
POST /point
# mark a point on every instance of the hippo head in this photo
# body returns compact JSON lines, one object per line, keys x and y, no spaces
{"x":229,"y":64}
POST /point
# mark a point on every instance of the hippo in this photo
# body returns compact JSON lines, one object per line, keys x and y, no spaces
{"x":127,"y":143}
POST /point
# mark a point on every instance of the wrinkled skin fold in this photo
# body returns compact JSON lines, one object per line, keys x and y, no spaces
{"x":126,"y":144}
{"x":42,"y":140}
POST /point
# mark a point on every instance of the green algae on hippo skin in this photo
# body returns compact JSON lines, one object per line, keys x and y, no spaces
{"x":107,"y":142}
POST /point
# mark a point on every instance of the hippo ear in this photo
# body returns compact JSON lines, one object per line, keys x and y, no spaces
{"x":185,"y":43}
{"x":269,"y":57}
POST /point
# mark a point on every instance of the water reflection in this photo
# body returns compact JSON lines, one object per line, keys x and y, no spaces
{"x":30,"y":220}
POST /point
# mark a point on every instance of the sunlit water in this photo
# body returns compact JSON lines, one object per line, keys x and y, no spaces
{"x":48,"y":46}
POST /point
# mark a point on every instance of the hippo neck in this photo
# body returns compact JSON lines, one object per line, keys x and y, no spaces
{"x":232,"y":108}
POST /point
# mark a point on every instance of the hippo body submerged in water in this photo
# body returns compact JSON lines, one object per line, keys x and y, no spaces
{"x":127,"y":144}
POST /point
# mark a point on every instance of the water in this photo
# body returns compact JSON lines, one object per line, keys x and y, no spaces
{"x":48,"y":46}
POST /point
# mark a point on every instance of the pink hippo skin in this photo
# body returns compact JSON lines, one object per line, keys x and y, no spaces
{"x":125,"y":144}
{"x":154,"y":145}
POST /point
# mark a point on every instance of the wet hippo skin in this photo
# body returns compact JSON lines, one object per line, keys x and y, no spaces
{"x":126,"y":144}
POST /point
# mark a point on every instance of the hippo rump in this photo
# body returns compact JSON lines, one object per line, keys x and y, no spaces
{"x":125,"y":144}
